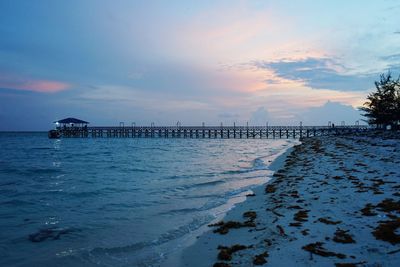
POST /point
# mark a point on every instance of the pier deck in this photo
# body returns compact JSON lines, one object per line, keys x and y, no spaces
{"x":225,"y":132}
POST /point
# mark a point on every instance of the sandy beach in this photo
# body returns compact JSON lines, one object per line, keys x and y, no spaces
{"x":335,"y":201}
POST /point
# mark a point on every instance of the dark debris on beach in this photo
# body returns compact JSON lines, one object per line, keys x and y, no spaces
{"x":310,"y":203}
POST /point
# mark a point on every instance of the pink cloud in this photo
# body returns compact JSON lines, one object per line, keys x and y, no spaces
{"x":42,"y":86}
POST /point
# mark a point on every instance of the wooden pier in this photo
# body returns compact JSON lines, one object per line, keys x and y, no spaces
{"x":207,"y":132}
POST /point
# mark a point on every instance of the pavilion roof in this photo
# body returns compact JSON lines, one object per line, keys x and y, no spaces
{"x":72,"y":120}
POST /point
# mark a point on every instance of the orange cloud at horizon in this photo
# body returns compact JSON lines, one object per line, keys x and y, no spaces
{"x":44,"y":86}
{"x":304,"y":97}
{"x":41,"y":86}
{"x":284,"y":99}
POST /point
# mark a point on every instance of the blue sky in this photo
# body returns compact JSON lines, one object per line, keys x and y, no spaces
{"x":192,"y":61}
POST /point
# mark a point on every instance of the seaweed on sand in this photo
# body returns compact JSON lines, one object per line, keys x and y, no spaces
{"x":318,"y":249}
{"x":367,"y":210}
{"x":305,"y":232}
{"x":281,"y":231}
{"x":328,"y":221}
{"x":252,"y":215}
{"x":349,"y":264}
{"x":225,"y":253}
{"x":301,"y":216}
{"x":388,"y":205}
{"x":386,"y":231}
{"x":225,"y":226}
{"x":342,"y":236}
{"x":270,"y":189}
{"x":260,"y":258}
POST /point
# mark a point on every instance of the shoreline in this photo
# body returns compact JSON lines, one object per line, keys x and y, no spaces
{"x":335,"y":201}
{"x":191,"y":252}
{"x":275,"y":160}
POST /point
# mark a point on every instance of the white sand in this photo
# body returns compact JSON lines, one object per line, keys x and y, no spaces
{"x":327,"y":182}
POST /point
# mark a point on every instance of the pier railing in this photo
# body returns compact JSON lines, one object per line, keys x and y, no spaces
{"x":225,"y":132}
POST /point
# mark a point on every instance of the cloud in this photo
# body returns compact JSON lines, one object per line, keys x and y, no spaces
{"x":129,"y":97}
{"x":260,"y":116}
{"x":334,"y":112}
{"x":228,"y":115}
{"x":42,"y":86}
{"x":319,"y":73}
{"x":393,"y":63}
{"x":393,"y":57}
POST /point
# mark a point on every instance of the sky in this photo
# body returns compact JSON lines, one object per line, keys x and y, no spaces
{"x":276,"y":62}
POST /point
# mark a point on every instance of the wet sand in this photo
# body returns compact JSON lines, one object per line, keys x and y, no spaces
{"x":334,"y":202}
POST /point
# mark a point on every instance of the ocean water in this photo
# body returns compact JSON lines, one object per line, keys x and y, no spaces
{"x":119,"y":202}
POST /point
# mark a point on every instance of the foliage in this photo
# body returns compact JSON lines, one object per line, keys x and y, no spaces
{"x":383,"y":105}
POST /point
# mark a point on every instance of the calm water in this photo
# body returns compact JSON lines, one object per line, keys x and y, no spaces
{"x":118,"y":202}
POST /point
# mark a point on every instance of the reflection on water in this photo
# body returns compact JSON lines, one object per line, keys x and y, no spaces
{"x":117,"y":202}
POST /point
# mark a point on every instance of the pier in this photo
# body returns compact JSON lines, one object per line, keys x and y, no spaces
{"x":205,"y":132}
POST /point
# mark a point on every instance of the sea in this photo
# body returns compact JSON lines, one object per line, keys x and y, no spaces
{"x":119,"y":201}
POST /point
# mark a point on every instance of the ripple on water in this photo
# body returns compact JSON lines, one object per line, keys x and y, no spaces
{"x":118,"y":202}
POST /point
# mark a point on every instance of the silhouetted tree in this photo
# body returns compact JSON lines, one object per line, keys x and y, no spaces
{"x":383,"y":105}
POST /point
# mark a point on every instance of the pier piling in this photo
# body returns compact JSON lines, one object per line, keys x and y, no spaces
{"x":228,"y":132}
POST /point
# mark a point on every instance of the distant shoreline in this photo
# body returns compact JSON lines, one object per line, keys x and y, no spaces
{"x":328,"y":205}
